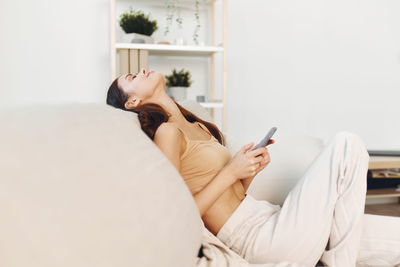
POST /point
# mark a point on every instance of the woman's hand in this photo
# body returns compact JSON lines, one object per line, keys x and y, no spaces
{"x":245,"y":163}
{"x":266,"y":159}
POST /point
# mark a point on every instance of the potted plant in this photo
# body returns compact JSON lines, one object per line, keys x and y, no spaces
{"x":137,"y":26}
{"x":177,"y":84}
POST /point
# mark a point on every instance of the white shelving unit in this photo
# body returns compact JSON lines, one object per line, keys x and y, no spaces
{"x":139,"y":53}
{"x":173,"y":50}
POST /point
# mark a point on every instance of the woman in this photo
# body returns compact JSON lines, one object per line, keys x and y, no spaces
{"x":321,"y":218}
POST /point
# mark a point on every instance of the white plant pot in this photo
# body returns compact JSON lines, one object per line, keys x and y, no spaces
{"x":177,"y":93}
{"x":137,"y":38}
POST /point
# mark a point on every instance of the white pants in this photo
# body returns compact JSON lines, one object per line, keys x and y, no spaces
{"x":326,"y":204}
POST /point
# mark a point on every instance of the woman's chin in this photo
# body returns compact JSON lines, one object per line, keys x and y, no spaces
{"x":159,"y":76}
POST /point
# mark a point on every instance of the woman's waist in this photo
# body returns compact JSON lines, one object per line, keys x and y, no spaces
{"x":223,"y":208}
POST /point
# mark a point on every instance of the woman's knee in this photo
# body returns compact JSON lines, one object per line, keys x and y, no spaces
{"x":351,"y":139}
{"x":345,"y":135}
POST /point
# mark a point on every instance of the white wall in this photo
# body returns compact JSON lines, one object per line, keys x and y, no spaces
{"x":315,"y":67}
{"x":54,"y":51}
{"x":311,"y":67}
{"x":58,"y":51}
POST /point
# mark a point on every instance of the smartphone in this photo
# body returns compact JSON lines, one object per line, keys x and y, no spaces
{"x":268,"y":137}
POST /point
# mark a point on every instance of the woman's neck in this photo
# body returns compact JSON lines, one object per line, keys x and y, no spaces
{"x":175,"y":114}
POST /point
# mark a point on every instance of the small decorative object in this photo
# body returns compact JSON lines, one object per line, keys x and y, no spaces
{"x":179,"y":40}
{"x":197,"y":16}
{"x":200,"y":98}
{"x":170,"y":6}
{"x":137,"y":26}
{"x":177,"y":84}
{"x":173,"y":6}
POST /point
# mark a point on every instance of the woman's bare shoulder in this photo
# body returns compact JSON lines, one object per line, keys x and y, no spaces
{"x":169,"y":134}
{"x":168,"y":129}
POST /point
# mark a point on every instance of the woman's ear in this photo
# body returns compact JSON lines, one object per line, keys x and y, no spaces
{"x":132,"y":103}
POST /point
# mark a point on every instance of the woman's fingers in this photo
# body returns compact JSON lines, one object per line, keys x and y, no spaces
{"x":259,"y":157}
{"x":272,"y":141}
{"x":256,"y":160}
{"x":260,"y":167}
{"x":265,"y":160}
{"x":257,"y":152}
{"x":246,"y":147}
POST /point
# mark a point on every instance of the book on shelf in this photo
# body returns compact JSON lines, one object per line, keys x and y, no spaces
{"x":385,"y":173}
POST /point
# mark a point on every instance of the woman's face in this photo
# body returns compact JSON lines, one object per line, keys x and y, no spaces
{"x":140,"y":86}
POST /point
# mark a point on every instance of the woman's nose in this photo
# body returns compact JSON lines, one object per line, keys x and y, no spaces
{"x":143,"y":70}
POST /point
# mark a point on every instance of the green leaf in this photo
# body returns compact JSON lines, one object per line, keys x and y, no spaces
{"x":181,"y":78}
{"x":137,"y":22}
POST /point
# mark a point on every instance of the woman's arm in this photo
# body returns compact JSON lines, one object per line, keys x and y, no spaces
{"x":213,"y":190}
{"x":168,"y":138}
{"x":241,"y":165}
{"x":246,"y":183}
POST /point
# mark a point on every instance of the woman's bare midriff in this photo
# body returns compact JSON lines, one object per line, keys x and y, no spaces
{"x":223,"y":208}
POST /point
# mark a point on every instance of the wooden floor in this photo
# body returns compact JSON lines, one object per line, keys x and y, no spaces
{"x":392,"y":209}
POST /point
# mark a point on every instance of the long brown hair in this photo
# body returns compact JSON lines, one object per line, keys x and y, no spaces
{"x":152,"y":115}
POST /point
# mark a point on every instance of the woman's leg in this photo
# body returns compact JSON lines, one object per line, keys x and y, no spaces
{"x":327,"y":202}
{"x":380,"y":241}
{"x":347,"y":223}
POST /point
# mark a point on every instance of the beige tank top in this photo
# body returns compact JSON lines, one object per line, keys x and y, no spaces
{"x":202,"y":160}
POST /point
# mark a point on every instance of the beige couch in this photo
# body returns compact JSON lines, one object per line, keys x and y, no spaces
{"x":82,"y":185}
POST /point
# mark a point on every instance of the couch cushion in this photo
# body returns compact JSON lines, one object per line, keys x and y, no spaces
{"x":82,"y":185}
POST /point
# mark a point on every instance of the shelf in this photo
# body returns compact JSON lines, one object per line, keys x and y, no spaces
{"x":131,"y":57}
{"x":172,"y":50}
{"x":387,"y":209}
{"x":212,"y":104}
{"x":183,"y":3}
{"x":381,"y":193}
{"x":380,"y":162}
